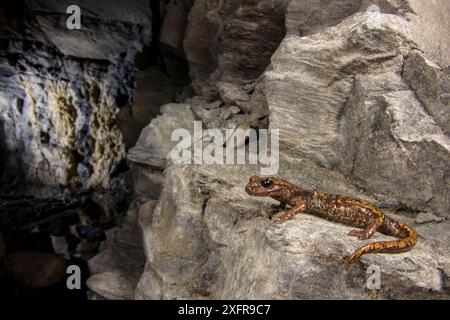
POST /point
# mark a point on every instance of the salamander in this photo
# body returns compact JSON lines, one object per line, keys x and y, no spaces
{"x":342,"y":209}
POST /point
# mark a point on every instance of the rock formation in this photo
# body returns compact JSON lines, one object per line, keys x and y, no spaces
{"x":361,"y":101}
{"x":61,"y":89}
{"x":359,"y":91}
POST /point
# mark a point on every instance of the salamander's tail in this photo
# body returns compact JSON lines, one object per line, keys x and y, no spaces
{"x":406,"y":243}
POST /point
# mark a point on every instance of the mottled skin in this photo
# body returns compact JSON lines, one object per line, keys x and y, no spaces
{"x":346,"y":210}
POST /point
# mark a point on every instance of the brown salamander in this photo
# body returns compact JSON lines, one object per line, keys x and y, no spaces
{"x":346,"y":210}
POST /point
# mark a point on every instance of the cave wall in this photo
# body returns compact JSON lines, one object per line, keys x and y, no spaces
{"x":60,"y":89}
{"x":359,"y":90}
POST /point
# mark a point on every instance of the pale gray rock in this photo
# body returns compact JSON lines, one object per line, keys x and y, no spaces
{"x":425,"y":217}
{"x":360,"y":99}
{"x":232,"y":40}
{"x":431,"y":86}
{"x":154,"y":145}
{"x":60,"y":90}
{"x":338,"y":99}
{"x":107,"y":27}
{"x":206,"y":238}
{"x":429,"y":25}
{"x":307,"y":17}
{"x":116,"y":270}
{"x":407,"y":139}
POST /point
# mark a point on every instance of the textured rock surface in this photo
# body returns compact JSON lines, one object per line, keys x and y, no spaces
{"x":60,"y":90}
{"x":232,"y":40}
{"x":115,"y":271}
{"x":154,"y":144}
{"x":207,"y":239}
{"x":362,"y":109}
{"x":339,"y":99}
{"x":358,"y":89}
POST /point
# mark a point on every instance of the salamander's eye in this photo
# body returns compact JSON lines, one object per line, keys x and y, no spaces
{"x":267,"y":183}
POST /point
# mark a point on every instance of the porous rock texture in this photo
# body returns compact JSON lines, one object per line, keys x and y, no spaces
{"x":360,"y":98}
{"x":60,"y":89}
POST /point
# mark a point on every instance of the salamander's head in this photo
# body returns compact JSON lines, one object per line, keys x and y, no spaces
{"x":267,"y":187}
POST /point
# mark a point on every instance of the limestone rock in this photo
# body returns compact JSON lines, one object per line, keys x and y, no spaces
{"x":338,"y":99}
{"x":206,"y":238}
{"x":111,"y":285}
{"x":147,"y":103}
{"x":116,"y":30}
{"x":154,"y":145}
{"x":60,"y":90}
{"x":232,"y":40}
{"x":431,"y":86}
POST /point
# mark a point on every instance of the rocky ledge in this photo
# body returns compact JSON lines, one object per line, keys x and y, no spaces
{"x":362,"y":106}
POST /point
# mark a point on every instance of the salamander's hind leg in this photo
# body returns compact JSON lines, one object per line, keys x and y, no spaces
{"x":370,"y":229}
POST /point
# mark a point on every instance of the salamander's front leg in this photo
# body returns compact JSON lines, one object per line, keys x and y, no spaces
{"x":299,"y":207}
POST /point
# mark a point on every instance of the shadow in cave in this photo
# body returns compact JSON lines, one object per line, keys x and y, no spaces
{"x":162,"y":78}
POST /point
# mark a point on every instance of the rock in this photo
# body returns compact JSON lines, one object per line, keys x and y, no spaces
{"x":430,"y":85}
{"x":148,"y":287}
{"x":308,"y":17}
{"x":338,"y":100}
{"x":147,"y":182}
{"x":60,"y":90}
{"x":229,"y":40}
{"x":232,"y":94}
{"x":116,"y":270}
{"x":347,"y":116}
{"x":203,"y":25}
{"x":428,"y":26}
{"x":147,"y":103}
{"x":111,"y":285}
{"x":218,"y":243}
{"x":154,"y":144}
{"x":425,"y":217}
{"x":60,"y":245}
{"x":174,"y":24}
{"x":35,"y":269}
{"x":358,"y":89}
{"x":116,"y":32}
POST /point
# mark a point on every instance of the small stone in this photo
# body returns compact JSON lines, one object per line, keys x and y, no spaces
{"x":425,"y":217}
{"x":60,"y":245}
{"x":227,"y":113}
